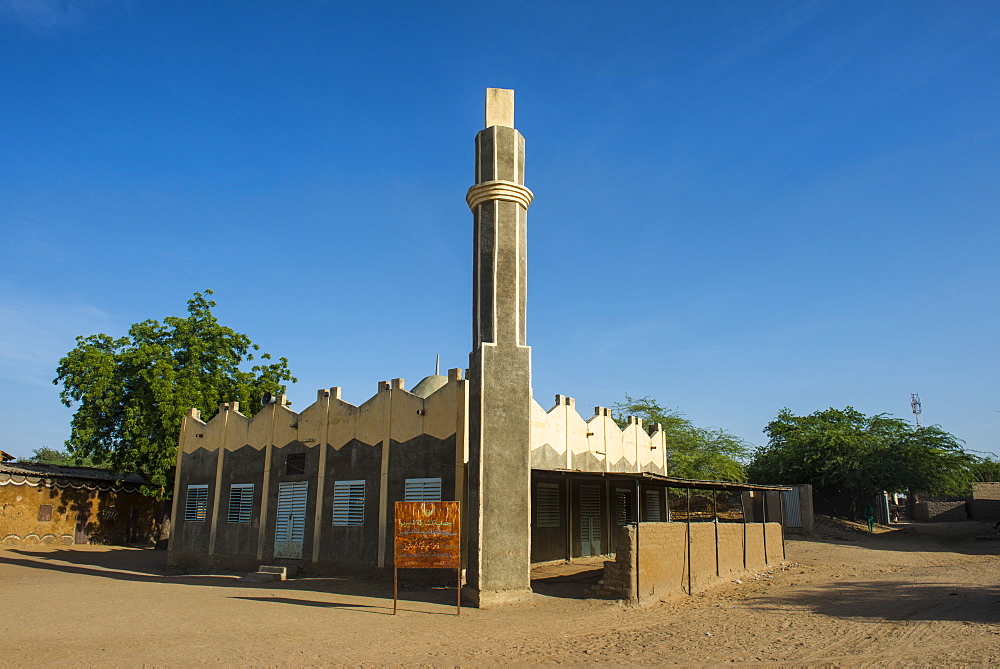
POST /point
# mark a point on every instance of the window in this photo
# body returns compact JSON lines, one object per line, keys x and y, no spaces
{"x":653,"y":513}
{"x":45,"y":512}
{"x":349,"y":503}
{"x":623,"y":506}
{"x":196,"y":505}
{"x":240,"y":502}
{"x":423,"y":490}
{"x":295,"y":464}
{"x":547,"y":505}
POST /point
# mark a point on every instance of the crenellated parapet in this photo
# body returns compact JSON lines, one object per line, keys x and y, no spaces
{"x":391,"y":413}
{"x":562,"y":439}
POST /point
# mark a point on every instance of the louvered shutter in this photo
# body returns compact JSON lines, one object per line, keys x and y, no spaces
{"x":240,"y":502}
{"x":423,"y":490}
{"x":290,"y":520}
{"x":623,"y":506}
{"x":349,"y":503}
{"x":196,"y":504}
{"x":547,"y":505}
{"x":653,"y":512}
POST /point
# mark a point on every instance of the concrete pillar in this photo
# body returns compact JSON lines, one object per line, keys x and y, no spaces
{"x":499,"y":511}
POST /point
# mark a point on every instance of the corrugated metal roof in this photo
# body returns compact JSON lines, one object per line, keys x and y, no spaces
{"x":63,"y":471}
{"x":668,"y":481}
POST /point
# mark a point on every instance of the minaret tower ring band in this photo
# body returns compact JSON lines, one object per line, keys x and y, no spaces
{"x":498,"y":190}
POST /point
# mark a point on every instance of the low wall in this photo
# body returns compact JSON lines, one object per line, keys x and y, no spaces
{"x":657,"y":560}
{"x":939,"y":511}
{"x":986,"y":490}
{"x":986,"y":501}
{"x":986,"y":509}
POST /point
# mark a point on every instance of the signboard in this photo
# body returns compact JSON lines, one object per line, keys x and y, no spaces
{"x":427,"y":536}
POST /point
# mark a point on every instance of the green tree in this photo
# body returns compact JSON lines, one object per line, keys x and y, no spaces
{"x":709,"y":454}
{"x":51,"y":456}
{"x":986,"y":469}
{"x":847,"y":455}
{"x":130,"y":393}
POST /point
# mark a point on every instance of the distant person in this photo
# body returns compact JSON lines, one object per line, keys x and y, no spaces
{"x":870,"y":517}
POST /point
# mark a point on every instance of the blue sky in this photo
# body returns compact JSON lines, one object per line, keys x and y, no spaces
{"x":739,"y":206}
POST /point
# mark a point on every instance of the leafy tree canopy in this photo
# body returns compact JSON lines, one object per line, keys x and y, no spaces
{"x":709,"y":454}
{"x":130,"y":393}
{"x":847,"y":451}
{"x":986,"y":469}
{"x":52,"y":456}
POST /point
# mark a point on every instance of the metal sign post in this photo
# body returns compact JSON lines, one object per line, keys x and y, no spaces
{"x":428,"y":535}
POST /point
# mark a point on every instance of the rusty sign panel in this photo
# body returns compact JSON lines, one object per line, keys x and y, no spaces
{"x":428,"y":535}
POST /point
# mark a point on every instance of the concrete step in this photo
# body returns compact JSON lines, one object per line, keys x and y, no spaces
{"x":261,"y":577}
{"x":286,"y":571}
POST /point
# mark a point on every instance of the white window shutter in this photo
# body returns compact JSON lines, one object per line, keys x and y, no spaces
{"x":422,"y":490}
{"x":240,"y":503}
{"x":349,"y":503}
{"x":196,"y":504}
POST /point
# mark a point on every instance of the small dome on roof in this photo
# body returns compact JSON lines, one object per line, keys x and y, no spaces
{"x":429,"y":385}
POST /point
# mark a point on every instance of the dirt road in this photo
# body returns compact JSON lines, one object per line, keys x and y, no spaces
{"x":928,"y":594}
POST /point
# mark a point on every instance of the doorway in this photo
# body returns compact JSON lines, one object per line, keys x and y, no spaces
{"x":590,"y":520}
{"x":290,"y":520}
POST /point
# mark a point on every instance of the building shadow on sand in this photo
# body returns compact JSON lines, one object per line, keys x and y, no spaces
{"x":148,"y":565}
{"x":878,"y":600}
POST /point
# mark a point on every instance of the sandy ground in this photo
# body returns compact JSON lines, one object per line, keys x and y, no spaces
{"x":924,"y":595}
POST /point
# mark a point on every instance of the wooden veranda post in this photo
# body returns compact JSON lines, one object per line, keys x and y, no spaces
{"x":715,"y":512}
{"x":781,"y":510}
{"x":763,"y":507}
{"x":688,"y":529}
{"x":743,"y":508}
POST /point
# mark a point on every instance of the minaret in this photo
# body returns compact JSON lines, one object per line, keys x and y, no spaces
{"x":499,"y":513}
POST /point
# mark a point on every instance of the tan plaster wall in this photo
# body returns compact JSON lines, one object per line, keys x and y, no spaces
{"x":702,"y":556}
{"x":730,"y":549}
{"x":629,"y":449}
{"x":662,"y":560}
{"x":755,"y":546}
{"x":107,"y":510}
{"x":312,"y":422}
{"x":774,"y":545}
{"x":662,"y":557}
{"x":19,"y":523}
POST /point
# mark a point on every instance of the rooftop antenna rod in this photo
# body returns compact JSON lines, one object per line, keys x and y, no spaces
{"x":915,"y":406}
{"x":437,"y":366}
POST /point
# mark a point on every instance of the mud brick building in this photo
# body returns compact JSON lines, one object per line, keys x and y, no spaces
{"x":58,"y":505}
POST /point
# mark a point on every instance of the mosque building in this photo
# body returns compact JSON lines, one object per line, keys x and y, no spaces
{"x":317,"y":488}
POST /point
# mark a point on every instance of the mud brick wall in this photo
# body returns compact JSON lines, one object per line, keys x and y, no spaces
{"x":939,"y":511}
{"x":653,"y":560}
{"x":618,"y":581}
{"x":986,"y":501}
{"x":986,"y":491}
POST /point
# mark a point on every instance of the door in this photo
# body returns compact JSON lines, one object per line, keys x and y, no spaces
{"x":81,"y":534}
{"x":793,"y":513}
{"x":590,"y":520}
{"x":290,"y":520}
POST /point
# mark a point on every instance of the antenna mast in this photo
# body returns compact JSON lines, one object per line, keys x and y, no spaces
{"x":915,"y":406}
